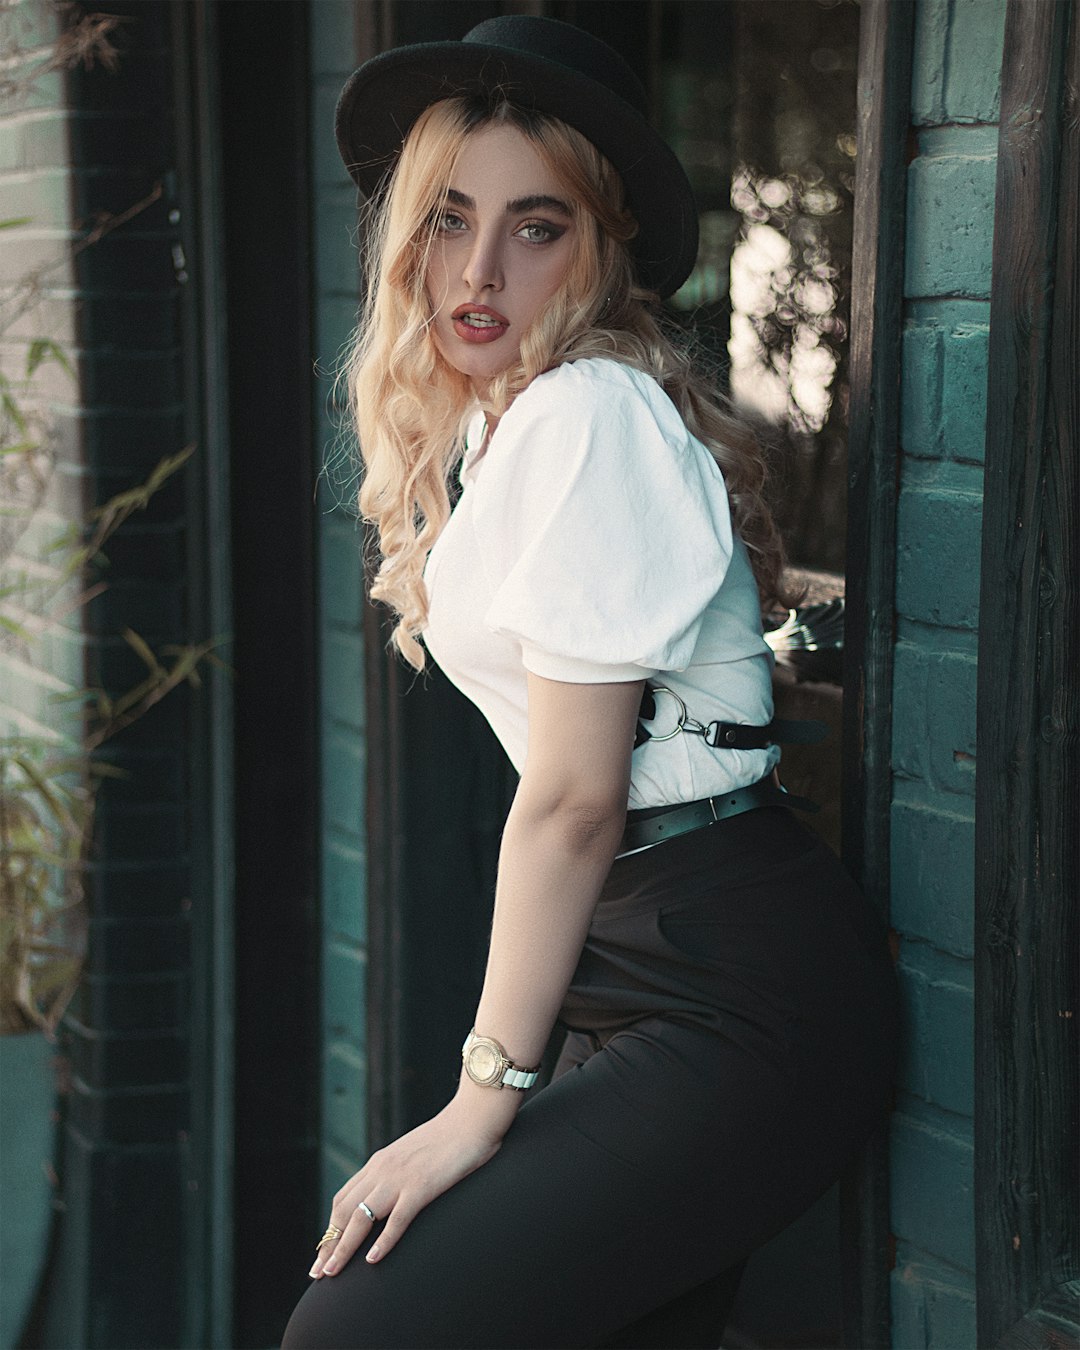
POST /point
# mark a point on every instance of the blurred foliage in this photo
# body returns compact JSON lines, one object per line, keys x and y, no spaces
{"x":48,"y":781}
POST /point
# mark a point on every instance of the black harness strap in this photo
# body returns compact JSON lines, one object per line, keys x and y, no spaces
{"x":729,"y":735}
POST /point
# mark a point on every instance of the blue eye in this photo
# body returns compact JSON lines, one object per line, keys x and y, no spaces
{"x":451,"y":222}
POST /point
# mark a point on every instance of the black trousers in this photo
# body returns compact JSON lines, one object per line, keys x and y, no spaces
{"x":732,"y":1040}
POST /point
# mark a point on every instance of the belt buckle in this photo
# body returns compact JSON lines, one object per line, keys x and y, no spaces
{"x":712,"y":808}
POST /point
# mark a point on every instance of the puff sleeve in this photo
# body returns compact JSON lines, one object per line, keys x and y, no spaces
{"x":603,"y":525}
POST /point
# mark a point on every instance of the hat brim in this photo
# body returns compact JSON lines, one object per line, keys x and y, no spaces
{"x":383,"y":99}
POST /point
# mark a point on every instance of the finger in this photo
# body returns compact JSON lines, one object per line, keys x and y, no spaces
{"x":356,"y":1231}
{"x":398,"y":1220}
{"x":322,"y":1255}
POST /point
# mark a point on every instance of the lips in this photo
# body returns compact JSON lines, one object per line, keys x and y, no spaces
{"x":479,"y":323}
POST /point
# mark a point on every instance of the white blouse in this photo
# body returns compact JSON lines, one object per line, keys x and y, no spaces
{"x":592,"y":542}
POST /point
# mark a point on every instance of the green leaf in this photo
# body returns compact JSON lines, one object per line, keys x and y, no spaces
{"x":12,"y":221}
{"x":41,"y":350}
{"x":12,"y":409}
{"x":142,"y":649}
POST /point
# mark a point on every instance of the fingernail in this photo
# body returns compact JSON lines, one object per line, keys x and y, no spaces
{"x":314,"y":1271}
{"x":330,"y":1267}
{"x":373,"y":1255}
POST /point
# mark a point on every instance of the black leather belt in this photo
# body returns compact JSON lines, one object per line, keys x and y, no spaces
{"x":649,"y":827}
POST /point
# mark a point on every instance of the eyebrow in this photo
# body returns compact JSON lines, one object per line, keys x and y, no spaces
{"x":537,"y":202}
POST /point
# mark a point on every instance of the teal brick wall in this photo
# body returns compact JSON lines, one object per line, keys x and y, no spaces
{"x":958,"y":48}
{"x":344,"y":1066}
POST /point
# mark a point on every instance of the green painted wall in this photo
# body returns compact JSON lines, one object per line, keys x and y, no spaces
{"x":336,"y":290}
{"x":958,"y":49}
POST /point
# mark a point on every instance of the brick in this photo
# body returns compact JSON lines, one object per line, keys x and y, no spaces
{"x":950,"y":221}
{"x":52,"y":316}
{"x":136,"y":832}
{"x":32,"y":25}
{"x":343,"y":784}
{"x":151,"y":553}
{"x":943,"y":382}
{"x":12,"y":151}
{"x":155,"y":611}
{"x":100,"y":193}
{"x":132,"y":1116}
{"x":337,"y":260}
{"x":42,"y":89}
{"x":950,"y":723}
{"x":340,"y":571}
{"x":344,"y":975}
{"x":42,"y":142}
{"x":128,"y":1059}
{"x":343,"y":678}
{"x":964,"y":388}
{"x":938,"y":550}
{"x":155,"y":777}
{"x":124,"y":892}
{"x":933,"y":1304}
{"x":143,"y":81}
{"x":139,"y":946}
{"x":129,"y":262}
{"x":327,"y":167}
{"x":910,"y":747}
{"x":344,"y":882}
{"x":975,"y":41}
{"x":928,"y":66}
{"x":335,"y":319}
{"x":133,"y":381}
{"x":344,"y":1097}
{"x":43,"y":196}
{"x":137,"y":323}
{"x":120,"y":442}
{"x":920,"y":389}
{"x":931,"y":1166}
{"x":157,"y":1003}
{"x":333,"y":41}
{"x":338,"y":1165}
{"x":28,"y":248}
{"x":124,"y":1207}
{"x":939,"y":1056}
{"x":933,"y":875}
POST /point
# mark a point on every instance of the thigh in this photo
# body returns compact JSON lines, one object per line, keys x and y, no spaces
{"x":592,"y":1215}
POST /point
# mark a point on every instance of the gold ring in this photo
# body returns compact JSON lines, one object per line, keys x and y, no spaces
{"x":331,"y":1235}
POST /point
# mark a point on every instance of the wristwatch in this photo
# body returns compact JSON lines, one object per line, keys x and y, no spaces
{"x":486,"y":1064}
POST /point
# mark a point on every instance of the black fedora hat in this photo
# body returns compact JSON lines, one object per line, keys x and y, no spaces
{"x":546,"y":66}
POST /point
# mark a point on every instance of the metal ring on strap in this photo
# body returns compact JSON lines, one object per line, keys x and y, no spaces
{"x":663,"y":689}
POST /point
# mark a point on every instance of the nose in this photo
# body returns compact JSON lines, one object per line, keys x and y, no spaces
{"x":483,"y":266}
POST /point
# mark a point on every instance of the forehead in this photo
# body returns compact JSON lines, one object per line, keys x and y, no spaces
{"x":500,"y":162}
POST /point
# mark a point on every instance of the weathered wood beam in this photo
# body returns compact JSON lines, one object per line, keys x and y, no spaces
{"x":1027,"y":798}
{"x":883,"y":107}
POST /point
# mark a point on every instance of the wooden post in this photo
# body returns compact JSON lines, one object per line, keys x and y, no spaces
{"x":883,"y":109}
{"x":1026,"y":825}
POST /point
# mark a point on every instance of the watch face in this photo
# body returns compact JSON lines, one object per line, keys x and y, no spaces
{"x":483,"y":1063}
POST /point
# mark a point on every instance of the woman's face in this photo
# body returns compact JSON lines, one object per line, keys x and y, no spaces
{"x":502,"y":249}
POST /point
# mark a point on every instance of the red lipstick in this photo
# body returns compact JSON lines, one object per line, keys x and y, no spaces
{"x":479,"y":323}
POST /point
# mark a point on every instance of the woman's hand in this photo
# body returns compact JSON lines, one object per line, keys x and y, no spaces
{"x":398,"y":1181}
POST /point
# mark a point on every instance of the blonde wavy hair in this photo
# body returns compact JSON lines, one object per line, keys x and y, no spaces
{"x":410,"y":407}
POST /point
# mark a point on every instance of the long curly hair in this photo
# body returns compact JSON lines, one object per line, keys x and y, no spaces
{"x":410,"y":407}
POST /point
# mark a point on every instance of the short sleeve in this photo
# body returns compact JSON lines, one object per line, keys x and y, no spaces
{"x":604,"y":526}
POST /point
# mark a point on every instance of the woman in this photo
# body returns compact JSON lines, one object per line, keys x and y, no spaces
{"x":728,"y":991}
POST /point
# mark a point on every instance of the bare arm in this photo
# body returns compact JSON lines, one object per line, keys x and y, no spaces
{"x":560,"y":838}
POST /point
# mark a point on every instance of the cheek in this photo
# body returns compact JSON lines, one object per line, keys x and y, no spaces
{"x":435,"y":282}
